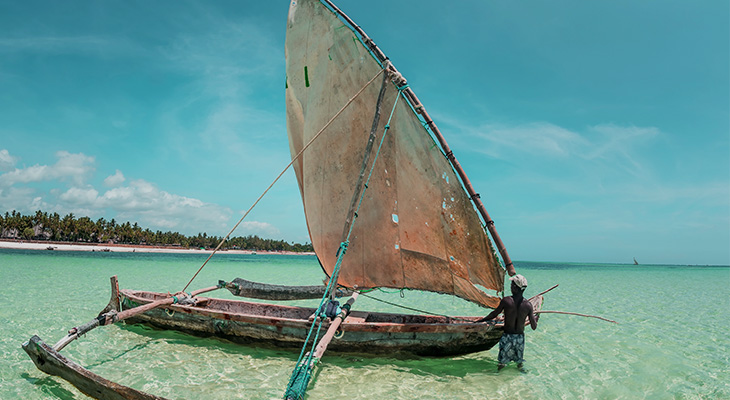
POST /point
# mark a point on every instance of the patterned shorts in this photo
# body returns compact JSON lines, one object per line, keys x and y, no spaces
{"x":511,"y":348}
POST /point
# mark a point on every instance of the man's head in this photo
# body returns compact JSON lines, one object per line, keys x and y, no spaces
{"x":519,"y":283}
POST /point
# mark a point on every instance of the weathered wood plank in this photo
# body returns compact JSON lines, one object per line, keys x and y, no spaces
{"x":53,"y":363}
{"x":287,"y":326}
{"x":255,"y":290}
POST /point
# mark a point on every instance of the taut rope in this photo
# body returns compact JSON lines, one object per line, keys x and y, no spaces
{"x":282,"y":173}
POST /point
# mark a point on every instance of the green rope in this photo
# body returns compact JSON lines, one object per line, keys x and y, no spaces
{"x":302,"y":373}
{"x":293,"y":387}
{"x":301,"y":376}
{"x":393,"y":291}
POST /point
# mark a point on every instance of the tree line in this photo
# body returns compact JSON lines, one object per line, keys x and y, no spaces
{"x":69,"y":228}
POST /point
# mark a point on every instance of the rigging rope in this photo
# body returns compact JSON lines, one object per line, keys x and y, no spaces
{"x":414,"y":309}
{"x":282,"y":173}
{"x":302,"y":372}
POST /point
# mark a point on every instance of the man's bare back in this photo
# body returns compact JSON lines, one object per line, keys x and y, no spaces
{"x":516,"y":310}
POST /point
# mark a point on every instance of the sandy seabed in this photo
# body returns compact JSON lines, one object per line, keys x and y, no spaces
{"x":42,"y":245}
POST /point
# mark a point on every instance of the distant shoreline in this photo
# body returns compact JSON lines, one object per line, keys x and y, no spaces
{"x":122,"y":248}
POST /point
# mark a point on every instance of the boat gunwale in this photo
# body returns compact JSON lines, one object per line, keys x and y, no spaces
{"x":454,"y":326}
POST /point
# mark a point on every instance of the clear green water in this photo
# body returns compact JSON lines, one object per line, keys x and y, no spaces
{"x":672,"y":341}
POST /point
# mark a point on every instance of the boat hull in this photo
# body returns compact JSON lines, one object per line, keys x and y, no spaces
{"x":287,"y":326}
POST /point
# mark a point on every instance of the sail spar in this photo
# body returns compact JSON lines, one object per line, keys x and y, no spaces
{"x":416,"y":227}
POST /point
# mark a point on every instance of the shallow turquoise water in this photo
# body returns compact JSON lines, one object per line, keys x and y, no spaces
{"x":671,"y":343}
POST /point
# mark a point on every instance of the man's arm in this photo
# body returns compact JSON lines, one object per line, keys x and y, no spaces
{"x":493,"y":314}
{"x":531,"y":317}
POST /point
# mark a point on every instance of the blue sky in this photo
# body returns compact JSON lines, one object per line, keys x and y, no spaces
{"x":594,"y":131}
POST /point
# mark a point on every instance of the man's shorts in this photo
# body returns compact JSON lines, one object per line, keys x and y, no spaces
{"x":511,"y":348}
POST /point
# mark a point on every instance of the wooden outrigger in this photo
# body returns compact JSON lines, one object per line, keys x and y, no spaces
{"x":52,"y":362}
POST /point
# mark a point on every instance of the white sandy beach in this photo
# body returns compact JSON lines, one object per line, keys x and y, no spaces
{"x":38,"y":245}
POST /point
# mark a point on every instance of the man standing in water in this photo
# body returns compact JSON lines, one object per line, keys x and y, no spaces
{"x":512,"y":343}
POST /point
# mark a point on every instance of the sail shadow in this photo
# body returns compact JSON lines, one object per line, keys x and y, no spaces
{"x":440,"y":368}
{"x":255,"y":350}
{"x":437,"y":367}
{"x":122,"y":354}
{"x":50,"y":386}
{"x":445,"y":369}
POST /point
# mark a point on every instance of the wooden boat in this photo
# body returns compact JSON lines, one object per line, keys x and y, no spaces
{"x":387,"y":205}
{"x":246,"y":322}
{"x":287,"y":326}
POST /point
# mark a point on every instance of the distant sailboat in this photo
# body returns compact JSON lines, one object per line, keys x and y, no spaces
{"x":635,"y":262}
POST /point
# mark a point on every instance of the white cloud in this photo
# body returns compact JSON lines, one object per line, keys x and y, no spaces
{"x":143,"y":202}
{"x":69,"y":167}
{"x":596,"y":154}
{"x":6,"y":160}
{"x":138,"y":200}
{"x":707,"y":194}
{"x":23,"y":200}
{"x":617,"y":145}
{"x":114,"y":180}
{"x":263,"y":229}
{"x":216,"y":110}
{"x":539,"y":138}
{"x":143,"y":196}
{"x":119,"y":124}
{"x":76,"y":167}
{"x":600,"y":161}
{"x":549,"y":141}
{"x":83,"y":45}
{"x":80,"y":197}
{"x":617,"y":138}
{"x":47,"y":44}
{"x":215,"y":56}
{"x":37,"y":203}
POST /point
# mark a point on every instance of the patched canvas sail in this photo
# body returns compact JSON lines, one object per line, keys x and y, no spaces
{"x":416,"y":227}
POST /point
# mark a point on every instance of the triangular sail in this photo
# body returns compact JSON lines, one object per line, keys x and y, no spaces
{"x":417,"y":227}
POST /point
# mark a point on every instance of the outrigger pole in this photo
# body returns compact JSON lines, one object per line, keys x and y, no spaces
{"x":49,"y":359}
{"x":111,"y":313}
{"x":302,"y":374}
{"x":419,"y":108}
